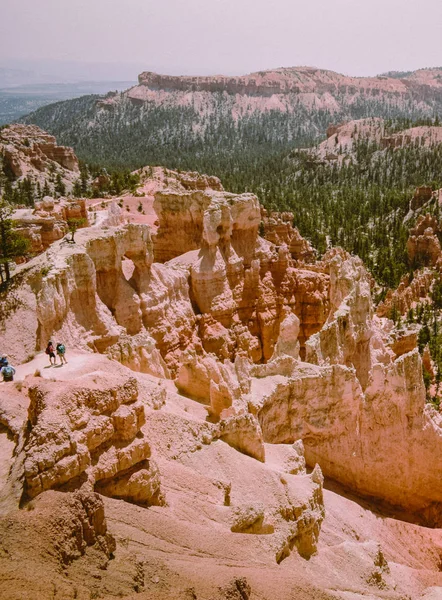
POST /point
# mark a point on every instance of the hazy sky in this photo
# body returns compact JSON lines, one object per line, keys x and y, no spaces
{"x":226,"y":36}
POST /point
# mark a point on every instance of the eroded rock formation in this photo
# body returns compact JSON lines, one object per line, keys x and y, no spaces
{"x":49,"y":221}
{"x":90,"y":432}
{"x":360,"y":411}
{"x":423,"y":245}
{"x":278,"y":229}
{"x":275,"y":364}
{"x":40,"y":544}
{"x":408,"y":293}
{"x":292,"y":80}
{"x":28,"y":151}
{"x":224,"y":290}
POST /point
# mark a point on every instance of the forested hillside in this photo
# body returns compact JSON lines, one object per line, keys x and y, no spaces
{"x":360,"y":205}
{"x":248,"y":131}
{"x":215,"y":124}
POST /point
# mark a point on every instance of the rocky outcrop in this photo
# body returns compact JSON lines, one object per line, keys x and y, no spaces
{"x":340,"y":147}
{"x":90,"y":433}
{"x":333,"y":129}
{"x":224,"y":289}
{"x":423,"y":245}
{"x":216,"y":384}
{"x":243,"y":433}
{"x":408,"y":293}
{"x":193,"y":180}
{"x":417,"y":136}
{"x":85,"y":298}
{"x":193,"y":220}
{"x":205,"y":315}
{"x":41,"y":543}
{"x":421,"y":196}
{"x":161,"y":471}
{"x":424,"y":254}
{"x":49,"y":221}
{"x":278,"y":364}
{"x":378,"y":443}
{"x":278,"y":229}
{"x":359,"y":403}
{"x":28,"y":151}
{"x":239,"y":283}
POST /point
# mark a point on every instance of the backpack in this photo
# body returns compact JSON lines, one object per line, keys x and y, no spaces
{"x":47,"y":350}
{"x":61,"y":349}
{"x":8,"y":373}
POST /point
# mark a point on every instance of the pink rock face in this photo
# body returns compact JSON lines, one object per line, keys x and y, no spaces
{"x":60,"y":529}
{"x":279,"y":230}
{"x":289,"y":80}
{"x":49,"y":221}
{"x":225,"y":291}
{"x":92,"y":431}
{"x":423,"y":245}
{"x":238,"y":282}
{"x":113,"y":420}
{"x":360,"y":396}
{"x":407,"y":294}
{"x":31,"y":152}
{"x":230,"y":294}
{"x":339,"y":147}
{"x":231,"y":298}
{"x":196,"y":181}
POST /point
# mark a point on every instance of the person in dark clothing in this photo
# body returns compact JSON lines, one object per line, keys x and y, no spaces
{"x":7,"y":371}
{"x":51,"y":353}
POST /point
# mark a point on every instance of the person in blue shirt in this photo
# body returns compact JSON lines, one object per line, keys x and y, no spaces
{"x":61,"y":351}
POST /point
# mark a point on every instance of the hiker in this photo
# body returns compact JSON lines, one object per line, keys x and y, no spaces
{"x":61,"y":353}
{"x":51,"y":353}
{"x":8,"y":372}
{"x":3,"y":360}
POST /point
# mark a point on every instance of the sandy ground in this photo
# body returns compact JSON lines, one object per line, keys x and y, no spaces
{"x":134,"y":209}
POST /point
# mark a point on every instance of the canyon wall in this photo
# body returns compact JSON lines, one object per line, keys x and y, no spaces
{"x":245,"y":328}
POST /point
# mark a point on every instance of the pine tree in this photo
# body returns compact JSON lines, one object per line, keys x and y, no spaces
{"x":60,"y":188}
{"x":12,"y":244}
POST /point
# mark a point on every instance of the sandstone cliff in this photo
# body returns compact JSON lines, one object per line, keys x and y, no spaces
{"x":300,"y":80}
{"x":225,"y":290}
{"x":29,"y":152}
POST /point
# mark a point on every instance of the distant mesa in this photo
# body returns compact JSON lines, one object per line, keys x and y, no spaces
{"x":292,"y":80}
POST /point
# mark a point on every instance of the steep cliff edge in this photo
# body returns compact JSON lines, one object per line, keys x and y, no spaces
{"x":298,"y":80}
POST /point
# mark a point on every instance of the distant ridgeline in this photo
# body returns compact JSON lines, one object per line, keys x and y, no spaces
{"x":245,"y":131}
{"x":222,"y":123}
